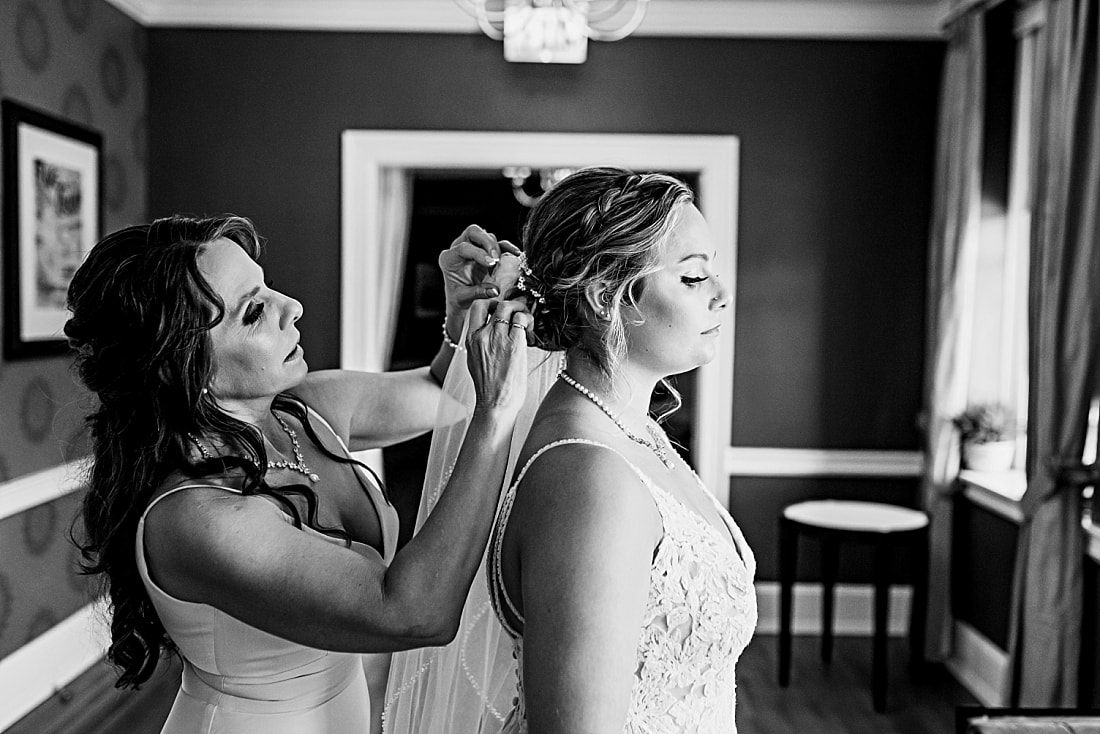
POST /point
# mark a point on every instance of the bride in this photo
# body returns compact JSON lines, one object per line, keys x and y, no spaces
{"x":624,"y":589}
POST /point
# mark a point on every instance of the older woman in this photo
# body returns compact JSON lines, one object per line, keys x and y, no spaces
{"x":224,"y":512}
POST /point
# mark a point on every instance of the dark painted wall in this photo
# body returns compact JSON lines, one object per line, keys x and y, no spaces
{"x":837,"y":148}
{"x":837,"y":155}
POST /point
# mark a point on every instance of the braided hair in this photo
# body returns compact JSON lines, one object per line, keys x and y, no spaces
{"x":602,"y":226}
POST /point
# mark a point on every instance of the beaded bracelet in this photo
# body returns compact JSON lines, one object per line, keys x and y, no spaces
{"x":447,"y":339}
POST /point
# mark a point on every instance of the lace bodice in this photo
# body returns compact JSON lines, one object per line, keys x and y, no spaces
{"x":700,"y":614}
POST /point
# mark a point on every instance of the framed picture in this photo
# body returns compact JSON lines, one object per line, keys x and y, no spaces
{"x":52,"y":213}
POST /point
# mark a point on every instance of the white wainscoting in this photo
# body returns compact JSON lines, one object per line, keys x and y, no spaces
{"x":51,"y":661}
{"x":979,"y":665}
{"x":31,"y":674}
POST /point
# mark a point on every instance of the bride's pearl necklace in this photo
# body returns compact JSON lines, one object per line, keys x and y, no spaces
{"x":659,"y":444}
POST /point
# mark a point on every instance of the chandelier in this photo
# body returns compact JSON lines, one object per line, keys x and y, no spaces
{"x":554,"y":31}
{"x":519,"y":175}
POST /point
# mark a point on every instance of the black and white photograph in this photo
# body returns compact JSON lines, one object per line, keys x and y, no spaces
{"x":52,"y":205}
{"x":550,"y":367}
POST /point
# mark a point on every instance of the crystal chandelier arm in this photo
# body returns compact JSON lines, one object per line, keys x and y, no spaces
{"x":491,"y":22}
{"x":596,"y":16}
{"x":623,"y":31}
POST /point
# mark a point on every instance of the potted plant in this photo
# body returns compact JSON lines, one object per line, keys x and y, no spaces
{"x":987,"y":432}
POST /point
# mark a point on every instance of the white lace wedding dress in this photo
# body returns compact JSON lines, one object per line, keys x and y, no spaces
{"x":700,"y":615}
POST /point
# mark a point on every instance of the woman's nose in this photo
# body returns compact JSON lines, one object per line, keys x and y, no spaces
{"x":292,"y":311}
{"x":723,"y":297}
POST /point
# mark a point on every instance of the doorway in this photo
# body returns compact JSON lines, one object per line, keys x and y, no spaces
{"x":708,"y":161}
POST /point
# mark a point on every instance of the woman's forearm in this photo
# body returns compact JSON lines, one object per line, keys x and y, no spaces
{"x":429,"y":579}
{"x":452,"y":330}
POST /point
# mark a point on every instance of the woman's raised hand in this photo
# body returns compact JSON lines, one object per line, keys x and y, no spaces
{"x":468,"y":265}
{"x":496,"y":346}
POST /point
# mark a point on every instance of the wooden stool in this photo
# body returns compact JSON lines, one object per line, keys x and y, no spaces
{"x":883,"y":527}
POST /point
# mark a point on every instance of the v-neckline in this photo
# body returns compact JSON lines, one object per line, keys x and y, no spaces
{"x":730,"y":537}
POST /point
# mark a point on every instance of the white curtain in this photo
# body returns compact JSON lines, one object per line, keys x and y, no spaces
{"x":953,"y":263}
{"x":384,"y":278}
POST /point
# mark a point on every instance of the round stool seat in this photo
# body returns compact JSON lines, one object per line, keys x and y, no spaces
{"x":868,"y":517}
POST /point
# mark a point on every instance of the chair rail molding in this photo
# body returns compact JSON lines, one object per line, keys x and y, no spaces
{"x":783,"y":462}
{"x":30,"y":490}
{"x":843,"y":19}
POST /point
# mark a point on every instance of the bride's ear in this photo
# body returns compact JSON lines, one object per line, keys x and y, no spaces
{"x":599,"y":296}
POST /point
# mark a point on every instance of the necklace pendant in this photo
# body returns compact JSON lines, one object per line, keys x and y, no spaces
{"x":313,"y":477}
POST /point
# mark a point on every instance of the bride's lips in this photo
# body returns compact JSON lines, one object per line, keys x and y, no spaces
{"x":713,"y":330}
{"x":293,"y":353}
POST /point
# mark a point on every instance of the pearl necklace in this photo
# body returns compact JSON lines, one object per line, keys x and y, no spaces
{"x":299,"y":464}
{"x":657,"y":445}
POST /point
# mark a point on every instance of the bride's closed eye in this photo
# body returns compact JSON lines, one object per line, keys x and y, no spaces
{"x":692,"y":281}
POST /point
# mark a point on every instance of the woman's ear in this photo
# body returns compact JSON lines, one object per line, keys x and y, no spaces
{"x":598,"y":296}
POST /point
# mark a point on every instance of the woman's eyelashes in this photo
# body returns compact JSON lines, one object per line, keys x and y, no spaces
{"x":693,"y":280}
{"x":253,"y":313}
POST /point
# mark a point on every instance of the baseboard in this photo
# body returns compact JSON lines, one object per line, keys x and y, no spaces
{"x":853,"y":612}
{"x":979,"y":665}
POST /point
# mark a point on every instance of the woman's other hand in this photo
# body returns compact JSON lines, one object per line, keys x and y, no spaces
{"x":496,"y":345}
{"x":468,"y":265}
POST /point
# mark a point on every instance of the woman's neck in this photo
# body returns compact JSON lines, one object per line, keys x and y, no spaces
{"x":627,"y":393}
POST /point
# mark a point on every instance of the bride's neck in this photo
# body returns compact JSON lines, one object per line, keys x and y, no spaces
{"x":627,"y":393}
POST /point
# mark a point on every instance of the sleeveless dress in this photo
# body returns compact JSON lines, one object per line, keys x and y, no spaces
{"x":241,"y":680}
{"x":700,"y":615}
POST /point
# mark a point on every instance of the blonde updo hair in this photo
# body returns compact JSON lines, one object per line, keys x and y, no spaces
{"x":599,"y":226}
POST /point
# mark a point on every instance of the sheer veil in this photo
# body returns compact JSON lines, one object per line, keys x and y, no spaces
{"x":468,"y":686}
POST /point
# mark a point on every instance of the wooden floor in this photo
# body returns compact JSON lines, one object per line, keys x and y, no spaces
{"x":820,"y":700}
{"x":836,"y":699}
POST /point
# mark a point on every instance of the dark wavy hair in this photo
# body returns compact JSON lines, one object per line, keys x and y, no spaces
{"x":598,"y":226}
{"x":140,"y":320}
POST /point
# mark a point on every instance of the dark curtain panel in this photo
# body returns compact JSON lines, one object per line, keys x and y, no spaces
{"x":1064,"y":318}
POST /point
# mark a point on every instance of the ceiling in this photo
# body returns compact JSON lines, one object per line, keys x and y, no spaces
{"x":855,"y":19}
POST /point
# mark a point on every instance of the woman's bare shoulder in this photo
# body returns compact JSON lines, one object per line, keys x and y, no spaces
{"x":581,"y":475}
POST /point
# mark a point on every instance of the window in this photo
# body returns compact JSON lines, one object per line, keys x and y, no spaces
{"x":999,"y":369}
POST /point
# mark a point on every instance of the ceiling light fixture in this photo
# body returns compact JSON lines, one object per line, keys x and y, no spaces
{"x":519,"y":175}
{"x":554,"y":31}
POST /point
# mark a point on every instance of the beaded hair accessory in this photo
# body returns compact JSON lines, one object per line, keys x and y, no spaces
{"x":527,"y":280}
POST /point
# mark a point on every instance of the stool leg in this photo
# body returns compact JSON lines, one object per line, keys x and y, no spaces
{"x":829,"y":553}
{"x":918,"y":612}
{"x":788,"y":558}
{"x":879,"y":670}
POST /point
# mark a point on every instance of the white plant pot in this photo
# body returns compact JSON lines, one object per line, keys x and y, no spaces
{"x":992,"y":456}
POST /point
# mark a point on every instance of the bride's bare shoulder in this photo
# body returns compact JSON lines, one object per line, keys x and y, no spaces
{"x":580,"y":467}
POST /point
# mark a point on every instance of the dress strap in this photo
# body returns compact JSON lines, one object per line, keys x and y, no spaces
{"x":173,"y":490}
{"x":498,"y":595}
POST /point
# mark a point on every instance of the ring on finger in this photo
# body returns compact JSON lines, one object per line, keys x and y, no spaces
{"x":503,"y":321}
{"x":518,"y":326}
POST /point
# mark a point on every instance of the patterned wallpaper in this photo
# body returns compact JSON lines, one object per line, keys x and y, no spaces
{"x":82,"y":60}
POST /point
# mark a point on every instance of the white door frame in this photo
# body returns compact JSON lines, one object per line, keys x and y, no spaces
{"x":713,"y":158}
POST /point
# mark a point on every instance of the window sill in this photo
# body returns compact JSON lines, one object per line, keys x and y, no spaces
{"x":999,"y":491}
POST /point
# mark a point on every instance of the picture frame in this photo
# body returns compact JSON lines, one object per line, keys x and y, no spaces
{"x":53,"y":211}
